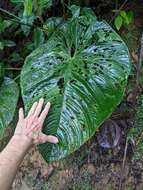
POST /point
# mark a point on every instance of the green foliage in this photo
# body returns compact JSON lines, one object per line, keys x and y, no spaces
{"x":1,"y":73}
{"x":136,"y":133}
{"x":83,"y":62}
{"x":41,"y":5}
{"x":51,"y":25}
{"x":75,"y":10}
{"x":4,"y":24}
{"x":118,"y":22}
{"x":82,"y":70}
{"x":8,"y":101}
{"x":17,"y":1}
{"x":31,"y":11}
{"x":28,"y":7}
{"x":16,"y":55}
{"x":6,"y":43}
{"x":38,"y":37}
{"x":123,"y":19}
{"x":28,"y":17}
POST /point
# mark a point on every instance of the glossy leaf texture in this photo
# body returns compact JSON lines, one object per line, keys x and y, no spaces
{"x":8,"y":100}
{"x":82,"y":70}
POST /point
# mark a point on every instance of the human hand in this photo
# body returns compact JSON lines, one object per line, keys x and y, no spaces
{"x":31,"y":126}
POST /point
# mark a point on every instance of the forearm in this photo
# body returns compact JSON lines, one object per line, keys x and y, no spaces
{"x":10,"y":159}
{"x":28,"y":131}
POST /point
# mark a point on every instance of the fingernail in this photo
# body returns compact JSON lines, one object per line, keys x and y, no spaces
{"x":48,"y":104}
{"x":41,"y":99}
{"x":20,"y":109}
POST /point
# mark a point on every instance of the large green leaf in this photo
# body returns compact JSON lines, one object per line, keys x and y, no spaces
{"x":82,"y":70}
{"x":8,"y":101}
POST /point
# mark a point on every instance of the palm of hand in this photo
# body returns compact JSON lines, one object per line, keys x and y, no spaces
{"x":31,"y":126}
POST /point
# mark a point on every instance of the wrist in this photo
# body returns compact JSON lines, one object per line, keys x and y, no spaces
{"x":16,"y":149}
{"x":22,"y":141}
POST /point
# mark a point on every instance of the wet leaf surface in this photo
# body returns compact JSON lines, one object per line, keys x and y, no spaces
{"x":82,"y":70}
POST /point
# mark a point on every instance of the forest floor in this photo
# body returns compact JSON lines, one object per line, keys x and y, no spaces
{"x":93,"y":167}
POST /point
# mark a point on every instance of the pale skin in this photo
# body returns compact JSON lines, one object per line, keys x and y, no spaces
{"x":27,"y":133}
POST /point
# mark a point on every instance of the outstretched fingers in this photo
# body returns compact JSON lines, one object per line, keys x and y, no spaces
{"x":21,"y":114}
{"x":34,"y":121}
{"x":32,"y":110}
{"x":37,"y":122}
{"x":44,"y":114}
{"x":39,"y":108}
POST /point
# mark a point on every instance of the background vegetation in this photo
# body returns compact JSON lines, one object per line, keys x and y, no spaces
{"x":24,"y":26}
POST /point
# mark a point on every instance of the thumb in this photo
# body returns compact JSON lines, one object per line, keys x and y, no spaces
{"x":48,"y":138}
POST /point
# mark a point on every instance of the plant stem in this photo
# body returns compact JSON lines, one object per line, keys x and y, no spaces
{"x":19,"y":22}
{"x":123,"y":164}
{"x":18,"y":19}
{"x":116,"y":5}
{"x":36,"y":6}
{"x":10,"y":14}
{"x":15,"y":69}
{"x":117,"y":13}
{"x":16,"y":78}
